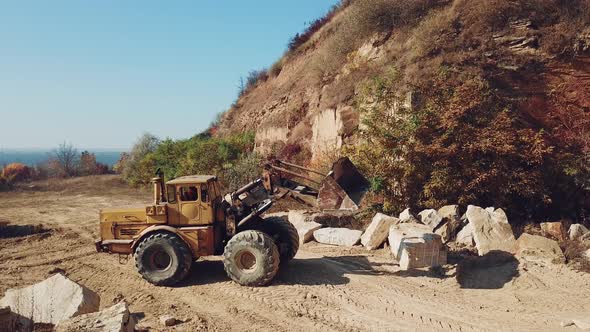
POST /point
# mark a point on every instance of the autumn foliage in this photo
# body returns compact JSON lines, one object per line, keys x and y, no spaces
{"x":16,"y":172}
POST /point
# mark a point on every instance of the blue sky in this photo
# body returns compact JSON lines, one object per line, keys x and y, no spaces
{"x":100,"y":73}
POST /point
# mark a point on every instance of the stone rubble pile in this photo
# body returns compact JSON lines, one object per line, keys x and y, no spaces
{"x":420,"y":240}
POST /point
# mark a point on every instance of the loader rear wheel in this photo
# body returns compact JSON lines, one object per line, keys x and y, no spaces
{"x":163,"y":259}
{"x":251,"y":258}
{"x":284,"y":234}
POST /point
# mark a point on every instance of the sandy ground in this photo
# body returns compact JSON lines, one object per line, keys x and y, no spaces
{"x":324,"y":288}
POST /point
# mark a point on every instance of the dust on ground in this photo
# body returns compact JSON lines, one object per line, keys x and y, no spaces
{"x":325,"y":288}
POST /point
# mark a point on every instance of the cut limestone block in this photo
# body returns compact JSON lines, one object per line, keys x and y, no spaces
{"x":113,"y":319}
{"x":576,"y":231}
{"x":51,"y":301}
{"x":491,"y":231}
{"x":430,"y":217}
{"x":415,"y":246}
{"x":338,"y":236}
{"x":377,"y":231}
{"x":536,"y":248}
{"x":305,"y":230}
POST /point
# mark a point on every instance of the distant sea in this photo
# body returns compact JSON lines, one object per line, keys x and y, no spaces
{"x":33,"y":157}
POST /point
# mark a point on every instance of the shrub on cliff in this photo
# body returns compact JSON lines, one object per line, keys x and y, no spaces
{"x":463,"y":144}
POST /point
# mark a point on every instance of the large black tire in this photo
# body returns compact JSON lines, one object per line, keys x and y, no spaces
{"x":251,"y":258}
{"x":284,"y":234}
{"x":163,"y":259}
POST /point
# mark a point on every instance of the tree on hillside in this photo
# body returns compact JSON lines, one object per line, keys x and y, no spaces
{"x":138,"y":169}
{"x":64,"y":159}
{"x":89,"y":166}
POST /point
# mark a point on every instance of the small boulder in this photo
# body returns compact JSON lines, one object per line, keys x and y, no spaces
{"x":556,"y":230}
{"x":338,"y":236}
{"x":167,"y":320}
{"x":51,"y":301}
{"x":298,"y":216}
{"x":449,"y":211}
{"x":491,"y":231}
{"x":430,"y":217}
{"x":407,"y":217}
{"x":536,"y":248}
{"x":576,"y":231}
{"x":113,"y":319}
{"x":334,"y":218}
{"x":377,"y":231}
{"x":306,"y":229}
{"x":415,"y":246}
{"x":587,"y":254}
{"x":465,"y":236}
{"x":448,"y":228}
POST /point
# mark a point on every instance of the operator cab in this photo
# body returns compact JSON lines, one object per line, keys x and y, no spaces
{"x":191,"y":200}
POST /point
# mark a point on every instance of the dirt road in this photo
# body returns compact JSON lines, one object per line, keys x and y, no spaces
{"x":324,"y":288}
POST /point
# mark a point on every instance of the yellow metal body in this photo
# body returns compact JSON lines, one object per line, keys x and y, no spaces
{"x":189,"y":208}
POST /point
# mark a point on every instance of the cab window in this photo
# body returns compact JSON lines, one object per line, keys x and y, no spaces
{"x":188,"y":193}
{"x":204,"y":193}
{"x":171,"y":193}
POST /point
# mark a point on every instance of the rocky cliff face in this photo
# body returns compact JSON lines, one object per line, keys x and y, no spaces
{"x":531,"y":54}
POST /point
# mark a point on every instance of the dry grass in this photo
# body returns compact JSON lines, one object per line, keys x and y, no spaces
{"x":575,"y":254}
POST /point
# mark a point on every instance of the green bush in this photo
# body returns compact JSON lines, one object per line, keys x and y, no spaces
{"x":137,"y":169}
{"x":200,"y":154}
{"x":244,"y":170}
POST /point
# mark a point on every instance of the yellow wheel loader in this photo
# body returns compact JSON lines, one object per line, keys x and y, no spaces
{"x":190,"y":218}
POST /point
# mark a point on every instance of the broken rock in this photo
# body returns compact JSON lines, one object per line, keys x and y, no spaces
{"x":555,"y":229}
{"x":576,"y":231}
{"x":167,"y":320}
{"x":491,"y":230}
{"x":415,"y":246}
{"x":306,"y":229}
{"x":114,"y":319}
{"x":448,"y":228}
{"x":430,"y":217}
{"x":377,"y":231}
{"x":407,"y":217}
{"x":449,"y":211}
{"x":536,"y":248}
{"x":299,"y":216}
{"x":51,"y":301}
{"x":338,"y":236}
{"x":465,"y":236}
{"x":334,"y":218}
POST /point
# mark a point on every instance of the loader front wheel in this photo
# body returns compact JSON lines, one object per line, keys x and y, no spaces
{"x":163,"y":259}
{"x":251,"y":258}
{"x":284,"y":234}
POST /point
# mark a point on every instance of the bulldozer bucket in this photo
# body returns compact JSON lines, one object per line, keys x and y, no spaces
{"x":343,"y":188}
